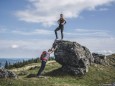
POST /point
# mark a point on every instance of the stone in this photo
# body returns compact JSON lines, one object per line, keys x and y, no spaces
{"x":99,"y":58}
{"x":74,"y":58}
{"x":111,"y":60}
{"x":4,"y":73}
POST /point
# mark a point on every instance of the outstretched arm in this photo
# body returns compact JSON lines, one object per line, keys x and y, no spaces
{"x":53,"y":49}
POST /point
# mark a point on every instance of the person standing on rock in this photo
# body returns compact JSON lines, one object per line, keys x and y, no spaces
{"x":61,"y":23}
{"x":44,"y":58}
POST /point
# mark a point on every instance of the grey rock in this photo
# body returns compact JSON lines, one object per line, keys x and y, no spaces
{"x":74,"y":58}
{"x":4,"y":73}
{"x":99,"y":58}
{"x":110,"y":59}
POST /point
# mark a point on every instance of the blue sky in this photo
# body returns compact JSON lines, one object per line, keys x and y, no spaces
{"x":27,"y":26}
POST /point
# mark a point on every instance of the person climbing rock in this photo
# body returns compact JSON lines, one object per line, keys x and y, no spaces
{"x":61,"y":23}
{"x":44,"y":58}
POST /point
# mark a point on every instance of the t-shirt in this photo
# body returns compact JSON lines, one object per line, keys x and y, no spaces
{"x":46,"y":57}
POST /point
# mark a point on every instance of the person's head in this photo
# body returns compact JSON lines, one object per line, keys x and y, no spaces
{"x":61,"y":15}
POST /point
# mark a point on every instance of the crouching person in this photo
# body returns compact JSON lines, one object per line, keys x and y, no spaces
{"x":44,"y":58}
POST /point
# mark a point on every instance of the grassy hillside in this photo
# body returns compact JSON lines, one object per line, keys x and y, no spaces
{"x":97,"y":75}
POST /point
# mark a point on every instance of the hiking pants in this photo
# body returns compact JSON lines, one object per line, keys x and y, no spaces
{"x":43,"y":64}
{"x":61,"y":27}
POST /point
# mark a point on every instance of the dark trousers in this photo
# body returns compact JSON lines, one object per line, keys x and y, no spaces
{"x":61,"y":27}
{"x":43,"y":64}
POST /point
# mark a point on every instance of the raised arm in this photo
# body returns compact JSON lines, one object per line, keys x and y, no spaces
{"x":53,"y":49}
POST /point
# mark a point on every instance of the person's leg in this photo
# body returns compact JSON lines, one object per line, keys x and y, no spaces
{"x":41,"y":68}
{"x":56,"y":32}
{"x":62,"y":32}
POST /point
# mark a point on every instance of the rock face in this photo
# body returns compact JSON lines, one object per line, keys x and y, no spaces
{"x":4,"y":73}
{"x":99,"y":58}
{"x":74,"y":58}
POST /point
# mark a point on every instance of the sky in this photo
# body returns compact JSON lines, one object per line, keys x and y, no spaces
{"x":27,"y":26}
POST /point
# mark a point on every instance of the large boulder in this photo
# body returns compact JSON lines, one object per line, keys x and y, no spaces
{"x":74,"y":58}
{"x":4,"y":73}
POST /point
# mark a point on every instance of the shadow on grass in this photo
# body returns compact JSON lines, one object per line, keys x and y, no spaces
{"x":53,"y":73}
{"x":56,"y":73}
{"x":59,"y":73}
{"x":31,"y":76}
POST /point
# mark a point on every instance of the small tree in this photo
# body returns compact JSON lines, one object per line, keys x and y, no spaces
{"x":6,"y":65}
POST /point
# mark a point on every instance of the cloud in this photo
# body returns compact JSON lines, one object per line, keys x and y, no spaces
{"x":47,"y":11}
{"x":106,"y":52}
{"x":14,"y":46}
{"x":2,"y":29}
{"x":97,"y":44}
{"x":103,"y":9}
{"x":19,"y":53}
{"x":34,"y":47}
{"x":34,"y":32}
{"x":26,"y":44}
{"x":97,"y":40}
{"x":24,"y":48}
{"x":73,"y":33}
{"x":89,"y":33}
{"x":45,"y":33}
{"x":89,"y":30}
{"x":86,"y":36}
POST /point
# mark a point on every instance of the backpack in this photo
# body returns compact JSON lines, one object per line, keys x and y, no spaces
{"x":43,"y":55}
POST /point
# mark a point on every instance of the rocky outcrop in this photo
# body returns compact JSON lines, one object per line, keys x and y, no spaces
{"x":74,"y":58}
{"x":111,"y":59}
{"x":4,"y":73}
{"x":99,"y":58}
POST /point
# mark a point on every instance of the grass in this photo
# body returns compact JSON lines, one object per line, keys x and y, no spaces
{"x":97,"y":75}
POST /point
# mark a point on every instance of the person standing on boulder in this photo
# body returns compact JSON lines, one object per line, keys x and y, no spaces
{"x":61,"y":23}
{"x":44,"y":58}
